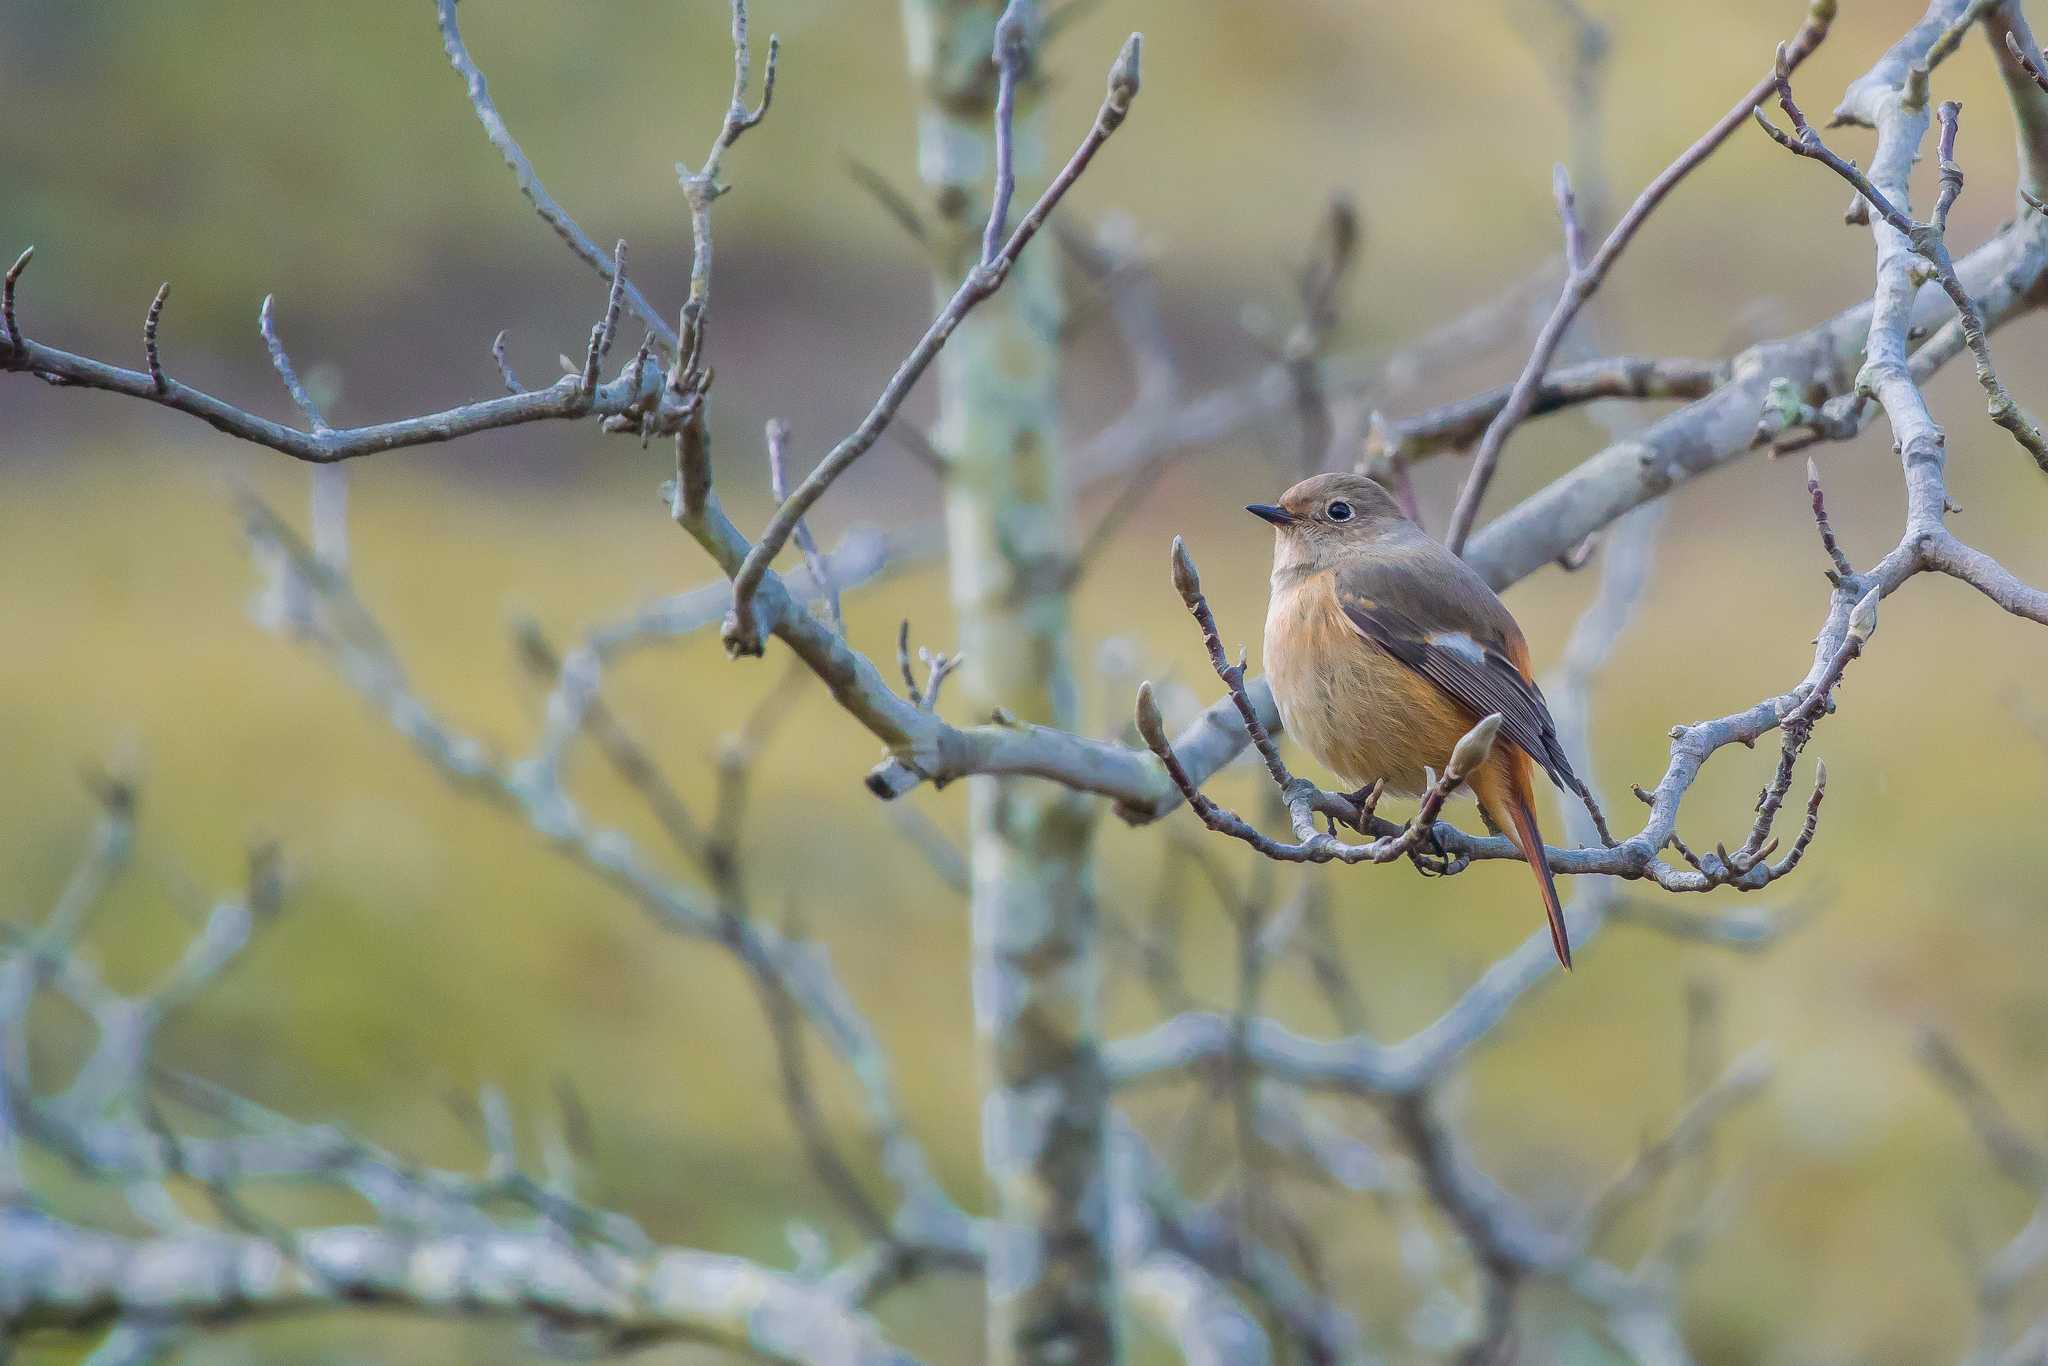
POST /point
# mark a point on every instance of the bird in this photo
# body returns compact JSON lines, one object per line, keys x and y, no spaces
{"x":1383,"y":648}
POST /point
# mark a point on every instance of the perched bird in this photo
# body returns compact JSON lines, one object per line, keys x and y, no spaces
{"x":1383,"y":648}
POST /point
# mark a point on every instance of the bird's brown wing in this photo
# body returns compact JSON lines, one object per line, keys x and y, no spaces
{"x":1433,"y":614}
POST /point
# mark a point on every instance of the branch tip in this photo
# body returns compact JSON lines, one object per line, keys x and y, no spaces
{"x":149,"y":328}
{"x":512,"y":384}
{"x":1125,"y":76}
{"x":266,"y":323}
{"x":1151,"y":725}
{"x":1185,"y":579}
{"x":7,"y":282}
{"x":1472,"y":750}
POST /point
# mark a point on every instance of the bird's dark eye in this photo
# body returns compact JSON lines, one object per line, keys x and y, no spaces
{"x":1339,"y":511}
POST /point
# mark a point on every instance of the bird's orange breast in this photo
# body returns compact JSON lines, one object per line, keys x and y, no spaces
{"x":1362,"y":713}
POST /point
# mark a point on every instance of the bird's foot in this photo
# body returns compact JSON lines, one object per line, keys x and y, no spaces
{"x":1434,"y":860}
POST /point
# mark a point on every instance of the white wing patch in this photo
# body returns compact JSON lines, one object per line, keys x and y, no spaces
{"x":1459,"y":644}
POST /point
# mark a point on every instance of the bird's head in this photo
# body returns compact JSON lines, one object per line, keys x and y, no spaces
{"x":1327,"y":517}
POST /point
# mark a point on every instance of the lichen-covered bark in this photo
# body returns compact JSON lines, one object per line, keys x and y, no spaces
{"x":57,"y":1276}
{"x":1051,"y":1278}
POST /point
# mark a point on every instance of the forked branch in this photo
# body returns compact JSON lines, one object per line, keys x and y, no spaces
{"x":743,"y":633}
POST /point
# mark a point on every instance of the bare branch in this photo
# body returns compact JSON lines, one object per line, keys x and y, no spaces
{"x":743,"y":631}
{"x":57,"y":1275}
{"x":1923,"y":239}
{"x":347,"y":632}
{"x":1509,"y":1244}
{"x":1581,"y":284}
{"x":1456,"y":425}
{"x":1940,"y":29}
{"x":551,"y":213}
{"x":1720,"y":428}
{"x":563,"y":399}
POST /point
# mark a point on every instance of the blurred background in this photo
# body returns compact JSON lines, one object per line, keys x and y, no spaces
{"x":432,"y":943}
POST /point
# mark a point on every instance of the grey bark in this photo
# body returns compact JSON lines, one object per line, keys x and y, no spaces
{"x":1052,"y":1282}
{"x":53,"y":1274}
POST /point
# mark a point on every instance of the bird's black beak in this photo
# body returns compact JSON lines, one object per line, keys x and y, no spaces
{"x":1277,"y":516}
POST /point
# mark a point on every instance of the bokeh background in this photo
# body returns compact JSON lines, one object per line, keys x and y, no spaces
{"x":432,"y":944}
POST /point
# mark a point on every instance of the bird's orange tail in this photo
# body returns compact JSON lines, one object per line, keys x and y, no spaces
{"x":1531,"y":841}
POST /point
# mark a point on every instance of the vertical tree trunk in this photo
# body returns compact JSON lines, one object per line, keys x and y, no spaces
{"x":1037,"y":973}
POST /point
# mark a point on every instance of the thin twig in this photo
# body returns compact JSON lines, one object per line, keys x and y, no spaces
{"x":821,"y":574}
{"x":7,"y":282}
{"x":149,"y":326}
{"x":602,"y":334}
{"x":512,"y":384}
{"x":551,"y":213}
{"x":283,"y":364}
{"x":1568,"y":217}
{"x":1820,"y":519}
{"x":1012,"y":55}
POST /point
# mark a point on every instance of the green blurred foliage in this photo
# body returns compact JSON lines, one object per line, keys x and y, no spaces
{"x":433,"y":944}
